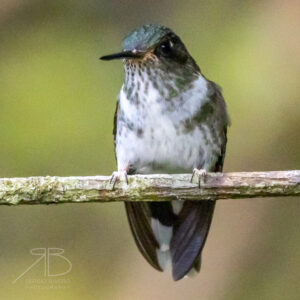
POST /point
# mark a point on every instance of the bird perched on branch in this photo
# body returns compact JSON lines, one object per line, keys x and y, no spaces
{"x":169,"y":118}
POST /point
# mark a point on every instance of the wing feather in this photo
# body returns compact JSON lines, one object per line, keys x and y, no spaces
{"x":139,"y":217}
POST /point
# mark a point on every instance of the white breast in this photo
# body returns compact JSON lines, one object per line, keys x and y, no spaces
{"x":161,"y":144}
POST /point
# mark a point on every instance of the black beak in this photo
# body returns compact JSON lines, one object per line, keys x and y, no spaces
{"x":122,"y":55}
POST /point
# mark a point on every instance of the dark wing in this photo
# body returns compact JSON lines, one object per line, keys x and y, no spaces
{"x":115,"y":128}
{"x":190,"y":233}
{"x":219,"y":164}
{"x":193,"y":222}
{"x":139,"y":217}
{"x":224,"y":122}
{"x":115,"y":121}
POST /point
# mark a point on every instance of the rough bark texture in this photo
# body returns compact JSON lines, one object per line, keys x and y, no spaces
{"x":46,"y":190}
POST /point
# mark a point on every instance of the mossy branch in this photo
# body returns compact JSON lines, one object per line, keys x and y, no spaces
{"x":161,"y":187}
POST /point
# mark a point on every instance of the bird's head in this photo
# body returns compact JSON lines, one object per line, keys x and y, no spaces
{"x":154,"y":43}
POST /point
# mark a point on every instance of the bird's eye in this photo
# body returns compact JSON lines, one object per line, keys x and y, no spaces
{"x":166,"y":48}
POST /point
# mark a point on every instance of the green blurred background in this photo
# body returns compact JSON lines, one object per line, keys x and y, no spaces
{"x":56,"y":108}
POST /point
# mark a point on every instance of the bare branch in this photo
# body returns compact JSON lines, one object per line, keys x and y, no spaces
{"x":46,"y":190}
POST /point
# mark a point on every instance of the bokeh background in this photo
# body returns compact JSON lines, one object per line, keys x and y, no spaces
{"x":56,"y":107}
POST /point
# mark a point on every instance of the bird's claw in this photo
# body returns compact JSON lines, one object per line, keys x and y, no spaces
{"x":116,"y":177}
{"x":200,"y":173}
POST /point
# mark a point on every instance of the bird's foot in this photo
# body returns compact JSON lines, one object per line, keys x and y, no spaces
{"x":200,"y":173}
{"x":117,"y":176}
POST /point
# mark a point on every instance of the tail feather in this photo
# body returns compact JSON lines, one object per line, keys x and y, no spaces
{"x":162,"y":235}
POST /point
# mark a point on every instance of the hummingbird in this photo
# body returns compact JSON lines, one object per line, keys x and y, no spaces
{"x":169,"y":118}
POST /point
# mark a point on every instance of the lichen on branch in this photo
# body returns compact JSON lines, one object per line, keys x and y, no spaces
{"x":158,"y":187}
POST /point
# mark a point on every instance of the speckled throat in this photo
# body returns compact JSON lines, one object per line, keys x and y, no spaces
{"x":168,"y":79}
